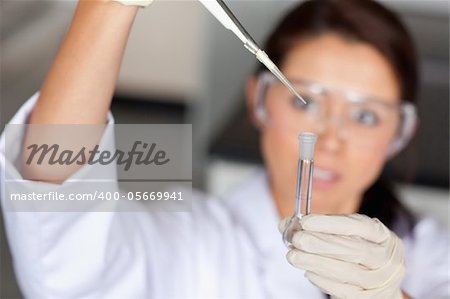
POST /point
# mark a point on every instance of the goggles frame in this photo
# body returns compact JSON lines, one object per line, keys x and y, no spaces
{"x":407,"y":111}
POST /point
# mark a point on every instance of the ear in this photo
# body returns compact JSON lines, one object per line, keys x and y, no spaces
{"x":250,"y":92}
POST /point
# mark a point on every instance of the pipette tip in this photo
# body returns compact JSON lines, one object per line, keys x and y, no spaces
{"x":299,"y":96}
{"x":264,"y":59}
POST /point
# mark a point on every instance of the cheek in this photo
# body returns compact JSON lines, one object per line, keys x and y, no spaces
{"x":364,"y":167}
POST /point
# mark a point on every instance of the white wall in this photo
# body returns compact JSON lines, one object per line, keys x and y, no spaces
{"x":165,"y":51}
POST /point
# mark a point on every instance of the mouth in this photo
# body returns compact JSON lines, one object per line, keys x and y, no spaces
{"x":324,"y":178}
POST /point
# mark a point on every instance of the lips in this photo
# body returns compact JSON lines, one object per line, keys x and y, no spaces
{"x":324,"y":178}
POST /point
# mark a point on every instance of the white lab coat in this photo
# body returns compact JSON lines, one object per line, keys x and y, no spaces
{"x":232,"y":250}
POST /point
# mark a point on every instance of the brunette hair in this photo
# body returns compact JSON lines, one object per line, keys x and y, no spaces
{"x":363,"y":21}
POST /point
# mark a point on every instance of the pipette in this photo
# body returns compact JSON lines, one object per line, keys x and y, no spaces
{"x":305,"y":169}
{"x":225,"y":16}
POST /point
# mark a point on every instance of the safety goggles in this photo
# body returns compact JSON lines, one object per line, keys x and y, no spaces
{"x":362,"y":120}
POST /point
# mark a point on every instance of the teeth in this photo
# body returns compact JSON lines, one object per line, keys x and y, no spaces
{"x":323,"y":174}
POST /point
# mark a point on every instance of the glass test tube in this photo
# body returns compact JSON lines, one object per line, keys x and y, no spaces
{"x":305,"y":167}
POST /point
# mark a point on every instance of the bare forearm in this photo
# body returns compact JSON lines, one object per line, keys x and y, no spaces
{"x":79,"y":86}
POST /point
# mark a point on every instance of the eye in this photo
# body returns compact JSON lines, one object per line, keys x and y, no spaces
{"x":310,"y":106}
{"x":365,"y":117}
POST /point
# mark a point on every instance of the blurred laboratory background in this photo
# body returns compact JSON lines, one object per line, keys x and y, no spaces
{"x":182,"y":66}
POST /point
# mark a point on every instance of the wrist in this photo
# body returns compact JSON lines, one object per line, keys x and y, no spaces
{"x":109,"y":11}
{"x":113,"y":4}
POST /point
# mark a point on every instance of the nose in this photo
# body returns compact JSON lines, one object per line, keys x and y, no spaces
{"x":331,"y":134}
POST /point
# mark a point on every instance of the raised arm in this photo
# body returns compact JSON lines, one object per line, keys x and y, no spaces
{"x":80,"y":84}
{"x":75,"y":254}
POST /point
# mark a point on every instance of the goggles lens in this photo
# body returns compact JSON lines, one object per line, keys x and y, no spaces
{"x":361,"y":120}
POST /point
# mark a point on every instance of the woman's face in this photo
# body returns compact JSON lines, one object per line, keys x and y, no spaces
{"x":344,"y":168}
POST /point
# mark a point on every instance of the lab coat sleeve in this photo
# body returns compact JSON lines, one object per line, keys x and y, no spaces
{"x":427,"y":262}
{"x":70,"y":254}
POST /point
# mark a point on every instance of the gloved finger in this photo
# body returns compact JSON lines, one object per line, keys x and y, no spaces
{"x":333,"y":288}
{"x":282,"y":225}
{"x":339,"y":271}
{"x":345,"y":248}
{"x":365,"y":227}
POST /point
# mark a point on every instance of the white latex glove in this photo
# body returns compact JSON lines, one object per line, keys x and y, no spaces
{"x":349,"y":256}
{"x":140,"y":3}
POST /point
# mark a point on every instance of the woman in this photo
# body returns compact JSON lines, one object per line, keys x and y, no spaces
{"x":354,"y":62}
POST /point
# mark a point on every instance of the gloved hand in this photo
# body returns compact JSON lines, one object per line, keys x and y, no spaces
{"x":140,"y":3}
{"x":349,"y":256}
